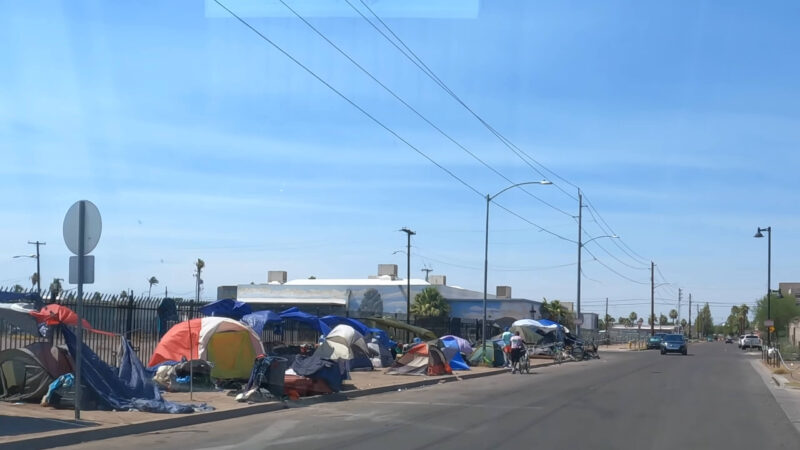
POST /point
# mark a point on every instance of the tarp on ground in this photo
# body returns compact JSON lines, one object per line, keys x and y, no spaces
{"x":229,"y":345}
{"x":311,"y":320}
{"x":421,"y":359}
{"x":383,"y":322}
{"x":126,"y":389}
{"x":26,"y":373}
{"x":227,"y":307}
{"x":452,"y":353}
{"x":463,"y":345}
{"x":259,"y":319}
{"x":489,"y":354}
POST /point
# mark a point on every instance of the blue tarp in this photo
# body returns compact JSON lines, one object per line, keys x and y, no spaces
{"x":123,"y":390}
{"x":311,"y":320}
{"x":227,"y":307}
{"x":332,"y":321}
{"x":19,"y":297}
{"x":259,"y":319}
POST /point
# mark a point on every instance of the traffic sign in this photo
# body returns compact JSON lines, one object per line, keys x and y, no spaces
{"x":771,"y":329}
{"x":93,"y":226}
{"x":88,"y":269}
{"x":769,"y":323}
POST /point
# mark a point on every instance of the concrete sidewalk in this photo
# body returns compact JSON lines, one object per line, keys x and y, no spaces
{"x":32,"y":426}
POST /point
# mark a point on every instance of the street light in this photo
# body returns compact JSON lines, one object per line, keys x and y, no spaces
{"x":580,"y":248}
{"x":769,"y":275}
{"x":489,"y":199}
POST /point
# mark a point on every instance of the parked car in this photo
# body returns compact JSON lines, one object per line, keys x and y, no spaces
{"x":751,"y":341}
{"x":729,"y":340}
{"x":674,"y":343}
{"x":739,"y":341}
{"x":655,"y":340}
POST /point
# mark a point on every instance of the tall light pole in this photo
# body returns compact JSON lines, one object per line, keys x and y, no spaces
{"x":38,"y":272}
{"x":769,"y":275}
{"x":408,"y":233}
{"x":580,"y":250}
{"x":489,"y":199}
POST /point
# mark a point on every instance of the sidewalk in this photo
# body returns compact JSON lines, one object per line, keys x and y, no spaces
{"x":32,"y":426}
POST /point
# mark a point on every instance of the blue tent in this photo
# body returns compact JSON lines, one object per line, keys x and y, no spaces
{"x":227,"y":307}
{"x":311,"y":320}
{"x":128,"y":388}
{"x":259,"y":319}
{"x":452,"y":352}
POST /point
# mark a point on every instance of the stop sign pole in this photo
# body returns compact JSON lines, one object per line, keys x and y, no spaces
{"x":82,"y":228}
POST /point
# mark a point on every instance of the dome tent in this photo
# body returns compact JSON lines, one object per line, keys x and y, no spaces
{"x":230,"y":346}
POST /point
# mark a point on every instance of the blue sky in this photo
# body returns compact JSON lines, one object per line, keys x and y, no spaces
{"x":195,"y":138}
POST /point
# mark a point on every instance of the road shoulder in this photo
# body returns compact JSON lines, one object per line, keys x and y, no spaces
{"x":788,"y":398}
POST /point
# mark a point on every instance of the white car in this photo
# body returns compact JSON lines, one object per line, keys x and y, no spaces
{"x":751,"y":341}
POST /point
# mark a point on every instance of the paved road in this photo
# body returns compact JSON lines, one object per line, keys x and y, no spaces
{"x":711,"y":399}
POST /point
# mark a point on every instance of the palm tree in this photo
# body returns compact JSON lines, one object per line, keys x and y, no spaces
{"x":55,"y":288}
{"x":18,"y":288}
{"x":35,"y":279}
{"x":633,"y":316}
{"x":152,"y":281}
{"x":430,"y":303}
{"x":744,"y":310}
{"x":673,"y":314}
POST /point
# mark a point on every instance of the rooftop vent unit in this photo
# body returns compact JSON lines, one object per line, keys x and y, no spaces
{"x":389,"y":270}
{"x":503,"y":291}
{"x":438,"y":280}
{"x":276,"y":276}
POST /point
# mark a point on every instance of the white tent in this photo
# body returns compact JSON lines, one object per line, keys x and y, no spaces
{"x":343,"y":342}
{"x":531,"y":330}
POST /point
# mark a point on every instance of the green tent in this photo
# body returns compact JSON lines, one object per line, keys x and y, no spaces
{"x":489,"y":354}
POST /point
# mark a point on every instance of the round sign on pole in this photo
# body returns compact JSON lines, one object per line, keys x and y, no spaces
{"x":93,"y":226}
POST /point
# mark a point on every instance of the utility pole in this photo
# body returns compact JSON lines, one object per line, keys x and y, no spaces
{"x":38,"y":272}
{"x":697,"y":322}
{"x":652,"y":300}
{"x":690,"y":316}
{"x":680,"y":294}
{"x":427,"y":272}
{"x":605,"y":320}
{"x":408,"y":233}
{"x":580,"y":248}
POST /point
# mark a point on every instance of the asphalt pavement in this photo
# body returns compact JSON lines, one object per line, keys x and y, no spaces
{"x":711,"y":399}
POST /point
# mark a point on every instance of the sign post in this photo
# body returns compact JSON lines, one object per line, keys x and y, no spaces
{"x":82,"y":228}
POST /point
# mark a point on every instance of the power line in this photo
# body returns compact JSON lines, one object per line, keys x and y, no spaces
{"x":614,"y":271}
{"x":376,"y":120}
{"x":417,"y":61}
{"x":414,"y":110}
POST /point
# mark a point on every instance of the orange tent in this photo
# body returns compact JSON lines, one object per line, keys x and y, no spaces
{"x":54,"y":314}
{"x":421,"y":359}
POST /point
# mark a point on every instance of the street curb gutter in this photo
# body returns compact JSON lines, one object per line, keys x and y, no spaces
{"x":94,"y":434}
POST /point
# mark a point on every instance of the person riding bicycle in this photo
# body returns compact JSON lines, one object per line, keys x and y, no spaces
{"x":517,"y":350}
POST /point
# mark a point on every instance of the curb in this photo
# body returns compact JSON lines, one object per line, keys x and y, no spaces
{"x":94,"y":434}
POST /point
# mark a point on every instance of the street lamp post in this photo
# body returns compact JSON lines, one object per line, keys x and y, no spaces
{"x":489,"y":199}
{"x":408,"y":233}
{"x":769,"y":275}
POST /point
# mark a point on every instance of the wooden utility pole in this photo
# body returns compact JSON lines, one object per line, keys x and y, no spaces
{"x":652,"y":300}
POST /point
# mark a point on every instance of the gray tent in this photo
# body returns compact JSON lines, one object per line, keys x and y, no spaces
{"x":26,"y":373}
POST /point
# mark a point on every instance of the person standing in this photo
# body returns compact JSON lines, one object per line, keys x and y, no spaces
{"x":517,"y":350}
{"x":506,"y":348}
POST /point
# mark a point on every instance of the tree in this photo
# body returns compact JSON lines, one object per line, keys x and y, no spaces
{"x":650,"y":319}
{"x":633,"y":316}
{"x":704,"y":323}
{"x":371,"y":304}
{"x":123,"y":295}
{"x":557,"y":312}
{"x":18,"y":289}
{"x":97,"y":297}
{"x":673,"y":314}
{"x":609,"y":321}
{"x":782,"y":311}
{"x":151,"y":281}
{"x":430,"y":303}
{"x":55,"y":288}
{"x":683,"y":323}
{"x":662,"y":319}
{"x":35,"y":279}
{"x":744,"y":322}
{"x":624,"y":321}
